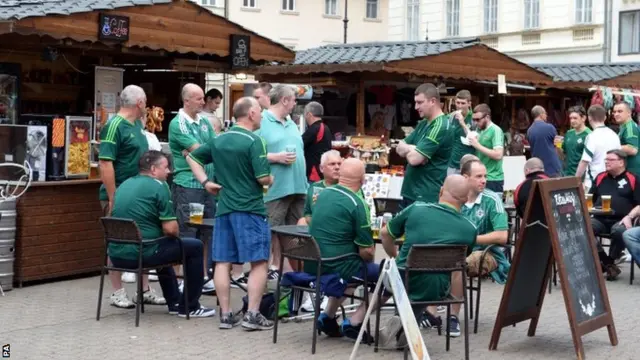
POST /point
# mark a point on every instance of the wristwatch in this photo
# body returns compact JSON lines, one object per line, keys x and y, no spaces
{"x":204,"y":183}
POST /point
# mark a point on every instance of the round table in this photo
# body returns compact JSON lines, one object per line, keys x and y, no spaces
{"x":292,"y":230}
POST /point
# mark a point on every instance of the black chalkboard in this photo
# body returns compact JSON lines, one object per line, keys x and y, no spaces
{"x":240,"y":51}
{"x":113,"y":27}
{"x":581,"y":268}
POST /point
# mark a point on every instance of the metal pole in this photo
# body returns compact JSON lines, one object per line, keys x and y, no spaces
{"x":345,"y":20}
{"x":225,"y":77}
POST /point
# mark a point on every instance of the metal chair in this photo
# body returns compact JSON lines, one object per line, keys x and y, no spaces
{"x":125,"y":231}
{"x":436,"y":259}
{"x":305,"y":248}
{"x":387,"y":205}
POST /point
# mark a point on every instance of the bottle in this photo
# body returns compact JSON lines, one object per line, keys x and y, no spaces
{"x":385,"y":219}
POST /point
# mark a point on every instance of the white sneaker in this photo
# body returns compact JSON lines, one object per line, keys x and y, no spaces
{"x":200,"y":313}
{"x":153,"y":276}
{"x":208,"y":287}
{"x":308,"y":302}
{"x":151,"y":297}
{"x":441,"y":309}
{"x":121,"y":300}
{"x":181,"y":286}
{"x":128,"y":277}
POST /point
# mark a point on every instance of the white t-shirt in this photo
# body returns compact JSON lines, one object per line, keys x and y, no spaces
{"x":601,"y":140}
{"x":152,"y":139}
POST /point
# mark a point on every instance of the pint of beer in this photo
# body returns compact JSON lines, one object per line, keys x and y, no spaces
{"x":606,"y":202}
{"x":196,"y":213}
{"x":589,"y":198}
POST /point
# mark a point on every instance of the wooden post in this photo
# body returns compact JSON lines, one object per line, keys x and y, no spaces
{"x":360,"y":108}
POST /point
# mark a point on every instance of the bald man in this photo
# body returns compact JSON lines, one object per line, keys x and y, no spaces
{"x":341,"y":226}
{"x":433,"y":224}
{"x":533,"y":170}
{"x":188,"y":131}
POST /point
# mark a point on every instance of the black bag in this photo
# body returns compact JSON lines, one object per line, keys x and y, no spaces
{"x":267,"y":305}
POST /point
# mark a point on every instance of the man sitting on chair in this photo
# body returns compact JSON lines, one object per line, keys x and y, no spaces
{"x":340,"y":226}
{"x":433,"y":224}
{"x":330,"y":162}
{"x":146,"y":199}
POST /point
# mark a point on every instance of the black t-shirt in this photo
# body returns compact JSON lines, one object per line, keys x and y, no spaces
{"x":624,"y":191}
{"x":317,"y":140}
{"x":521,"y":195}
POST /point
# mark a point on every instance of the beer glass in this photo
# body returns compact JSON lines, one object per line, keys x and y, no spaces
{"x":196,"y":213}
{"x":589,"y":198}
{"x":606,"y":202}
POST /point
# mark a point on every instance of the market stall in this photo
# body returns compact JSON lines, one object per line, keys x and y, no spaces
{"x":63,"y":68}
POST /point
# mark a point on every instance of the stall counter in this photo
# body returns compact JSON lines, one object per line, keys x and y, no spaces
{"x":58,"y":230}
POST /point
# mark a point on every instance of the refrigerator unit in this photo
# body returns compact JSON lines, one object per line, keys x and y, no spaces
{"x":13,"y":149}
{"x":9,"y":92}
{"x":53,"y":126}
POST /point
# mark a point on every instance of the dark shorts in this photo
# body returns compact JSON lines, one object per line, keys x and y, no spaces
{"x":286,"y":211}
{"x":495,"y":186}
{"x":241,"y":237}
{"x":182,"y":196}
{"x":373,"y":273}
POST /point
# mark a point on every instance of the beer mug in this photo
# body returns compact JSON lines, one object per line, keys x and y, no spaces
{"x":589,"y":198}
{"x":606,"y":202}
{"x":196,"y":213}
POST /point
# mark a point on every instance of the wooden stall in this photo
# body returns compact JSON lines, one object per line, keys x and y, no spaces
{"x":56,"y":49}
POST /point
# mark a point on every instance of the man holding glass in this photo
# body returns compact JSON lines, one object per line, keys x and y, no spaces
{"x":617,"y":192}
{"x":285,"y":198}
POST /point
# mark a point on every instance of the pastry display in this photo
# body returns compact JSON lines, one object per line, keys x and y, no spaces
{"x":155,"y":117}
{"x":370,"y":149}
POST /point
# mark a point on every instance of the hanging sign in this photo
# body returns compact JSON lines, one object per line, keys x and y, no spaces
{"x":113,"y":27}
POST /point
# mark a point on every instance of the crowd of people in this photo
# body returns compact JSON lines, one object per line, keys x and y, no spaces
{"x":261,"y":173}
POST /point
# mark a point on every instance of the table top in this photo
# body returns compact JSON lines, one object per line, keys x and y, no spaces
{"x":600,"y":212}
{"x":292,"y":230}
{"x":206,"y":224}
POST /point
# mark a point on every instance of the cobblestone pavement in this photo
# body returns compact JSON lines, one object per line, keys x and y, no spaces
{"x":57,"y":321}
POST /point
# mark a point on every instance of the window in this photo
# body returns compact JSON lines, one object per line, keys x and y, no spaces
{"x":583,"y":11}
{"x":629,"y":33}
{"x":289,"y":5}
{"x":372,"y":9}
{"x":490,"y":16}
{"x":208,"y":2}
{"x":331,"y":7}
{"x":413,"y":20}
{"x":453,"y":17}
{"x":531,"y":14}
{"x":249,"y":3}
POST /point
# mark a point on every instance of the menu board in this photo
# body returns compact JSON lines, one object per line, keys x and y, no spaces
{"x":582,"y":271}
{"x":375,"y":186}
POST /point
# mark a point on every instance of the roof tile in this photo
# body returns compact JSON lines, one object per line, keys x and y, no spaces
{"x":586,"y":72}
{"x":20,"y":9}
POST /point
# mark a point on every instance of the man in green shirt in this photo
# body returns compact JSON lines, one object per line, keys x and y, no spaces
{"x":241,"y":229}
{"x":122,"y":142}
{"x":462,"y":123}
{"x":427,"y":149}
{"x":330,"y":163}
{"x":629,"y":136}
{"x":433,"y":224}
{"x":146,"y":199}
{"x":485,"y":210}
{"x":574,"y":140}
{"x":340,"y":226}
{"x":187,"y":131}
{"x":489,"y":145}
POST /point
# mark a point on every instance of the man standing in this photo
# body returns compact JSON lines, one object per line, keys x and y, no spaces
{"x":485,"y":210}
{"x":574,"y":140}
{"x":261,"y":93}
{"x":427,"y":149}
{"x":187,"y":132}
{"x":316,"y":139}
{"x":330,"y":163}
{"x":122,"y":143}
{"x":462,"y":123}
{"x":533,"y":170}
{"x":489,"y":145}
{"x":241,"y":231}
{"x":541,"y":136}
{"x":212,"y":101}
{"x":629,"y":135}
{"x":597,"y":144}
{"x":285,"y":199}
{"x":146,"y":199}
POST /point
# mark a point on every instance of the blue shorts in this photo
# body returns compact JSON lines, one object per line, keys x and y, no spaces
{"x":241,"y":237}
{"x":373,"y":273}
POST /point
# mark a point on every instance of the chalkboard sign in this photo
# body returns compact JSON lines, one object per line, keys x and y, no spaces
{"x":240,"y":51}
{"x":575,"y":247}
{"x":556,"y":227}
{"x":113,"y":27}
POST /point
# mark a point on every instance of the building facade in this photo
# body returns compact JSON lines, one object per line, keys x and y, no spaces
{"x":625,"y":35}
{"x":532,"y":31}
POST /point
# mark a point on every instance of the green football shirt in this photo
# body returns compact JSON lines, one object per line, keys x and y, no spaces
{"x":630,"y":135}
{"x":458,"y":149}
{"x":183,"y":134}
{"x":430,"y":224}
{"x":573,"y":147}
{"x":312,"y":195}
{"x":433,"y":140}
{"x":241,"y":157}
{"x":492,"y":138}
{"x":339,"y":225}
{"x":147,"y":201}
{"x":122,"y":143}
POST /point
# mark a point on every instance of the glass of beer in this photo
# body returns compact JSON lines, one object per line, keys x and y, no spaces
{"x":606,"y":202}
{"x":290,"y":149}
{"x":265,"y":189}
{"x":589,"y":198}
{"x":196,"y":213}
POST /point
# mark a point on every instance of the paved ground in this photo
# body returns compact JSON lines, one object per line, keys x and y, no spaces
{"x":57,"y":321}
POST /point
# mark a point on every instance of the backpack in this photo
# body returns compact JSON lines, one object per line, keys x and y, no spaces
{"x":268,"y":305}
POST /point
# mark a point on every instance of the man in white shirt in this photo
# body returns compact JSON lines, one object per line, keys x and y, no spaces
{"x":212,"y":101}
{"x":598,"y":143}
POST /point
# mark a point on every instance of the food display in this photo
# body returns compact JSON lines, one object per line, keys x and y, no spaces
{"x":370,"y":149}
{"x":78,"y":146}
{"x":155,"y":117}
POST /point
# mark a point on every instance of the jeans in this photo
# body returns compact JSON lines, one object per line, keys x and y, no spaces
{"x":631,"y":240}
{"x":615,"y":229}
{"x":168,"y":252}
